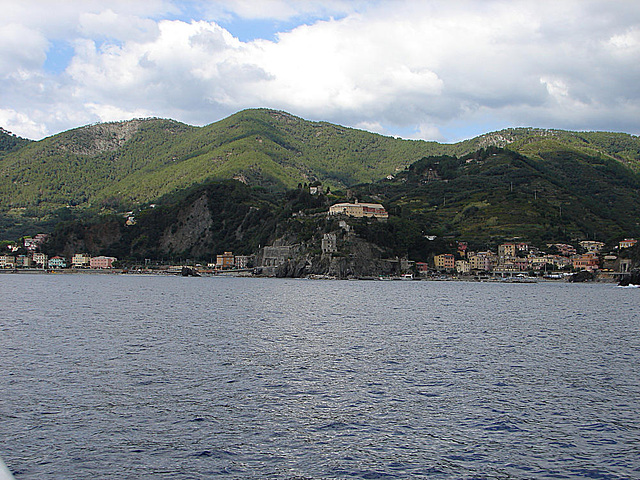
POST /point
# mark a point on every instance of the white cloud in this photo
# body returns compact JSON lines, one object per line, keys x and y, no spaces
{"x":109,"y":113}
{"x":429,"y":132}
{"x":21,"y":124}
{"x":282,"y":9}
{"x":109,"y":24}
{"x":426,"y":67}
{"x":21,"y":49}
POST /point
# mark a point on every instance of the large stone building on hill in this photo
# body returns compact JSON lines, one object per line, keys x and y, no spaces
{"x":359,"y":210}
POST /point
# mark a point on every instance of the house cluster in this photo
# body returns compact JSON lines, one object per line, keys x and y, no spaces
{"x":33,"y":258}
{"x":41,"y":260}
{"x":522,"y":257}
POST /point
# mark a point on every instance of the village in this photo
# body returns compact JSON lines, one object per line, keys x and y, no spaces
{"x":516,"y":258}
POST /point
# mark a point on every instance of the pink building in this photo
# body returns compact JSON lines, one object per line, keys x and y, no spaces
{"x":102,"y":262}
{"x":588,"y":261}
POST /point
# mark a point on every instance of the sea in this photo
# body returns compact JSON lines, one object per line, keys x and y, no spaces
{"x":161,"y":377}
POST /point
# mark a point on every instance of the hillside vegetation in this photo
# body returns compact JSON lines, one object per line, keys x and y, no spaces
{"x":494,"y":195}
{"x":140,"y":160}
{"x":10,"y":143}
{"x":115,"y":167}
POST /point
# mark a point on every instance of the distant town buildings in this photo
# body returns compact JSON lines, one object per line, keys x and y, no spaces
{"x":590,"y":246}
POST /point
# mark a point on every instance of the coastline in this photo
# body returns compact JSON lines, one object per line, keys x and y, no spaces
{"x":605,"y":277}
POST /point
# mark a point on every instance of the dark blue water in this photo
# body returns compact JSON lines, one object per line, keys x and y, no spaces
{"x":127,"y":377}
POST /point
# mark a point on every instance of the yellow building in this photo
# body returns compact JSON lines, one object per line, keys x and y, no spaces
{"x":359,"y":210}
{"x":507,"y":250}
{"x":445,"y":261}
{"x":80,"y":260}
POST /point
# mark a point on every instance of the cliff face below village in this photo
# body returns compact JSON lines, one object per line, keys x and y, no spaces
{"x":359,"y":259}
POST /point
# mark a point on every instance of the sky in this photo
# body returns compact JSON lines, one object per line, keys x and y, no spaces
{"x":442,"y":70}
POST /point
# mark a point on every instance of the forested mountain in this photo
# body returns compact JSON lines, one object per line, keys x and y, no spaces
{"x":569,"y":183}
{"x":485,"y":198}
{"x":140,"y":160}
{"x":493,"y":195}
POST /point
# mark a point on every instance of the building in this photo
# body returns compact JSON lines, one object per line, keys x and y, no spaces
{"x":57,"y":262}
{"x":33,"y":244}
{"x":445,"y":261}
{"x":564,"y":249}
{"x":540,"y":262}
{"x":507,"y":250}
{"x":315,"y":188}
{"x":508,"y":267}
{"x":23,"y":261}
{"x":80,"y":260}
{"x":359,"y":210}
{"x":591,"y":246}
{"x":276,"y":255}
{"x":587,"y":261}
{"x":102,"y":262}
{"x":225,"y":261}
{"x":628,"y":243}
{"x":463,"y":266}
{"x":7,"y":261}
{"x":329,"y":243}
{"x":242,"y":261}
{"x":422,"y":267}
{"x":482,"y":261}
{"x":40,"y":259}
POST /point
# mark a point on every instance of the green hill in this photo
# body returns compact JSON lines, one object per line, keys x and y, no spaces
{"x":139,"y":160}
{"x":494,"y":194}
{"x":484,"y":198}
{"x":120,"y":166}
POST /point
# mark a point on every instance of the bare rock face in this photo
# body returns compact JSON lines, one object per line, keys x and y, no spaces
{"x":193,"y":223}
{"x":104,"y":137}
{"x":362,"y":260}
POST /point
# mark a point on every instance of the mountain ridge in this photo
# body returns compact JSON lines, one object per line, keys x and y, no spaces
{"x":117,"y":166}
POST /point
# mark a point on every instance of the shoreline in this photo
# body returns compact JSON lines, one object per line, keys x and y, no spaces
{"x":608,"y":277}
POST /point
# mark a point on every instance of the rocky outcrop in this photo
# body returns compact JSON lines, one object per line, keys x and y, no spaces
{"x":582,"y":276}
{"x":632,"y":279}
{"x":358,"y":259}
{"x":189,"y":272}
{"x":191,"y":230}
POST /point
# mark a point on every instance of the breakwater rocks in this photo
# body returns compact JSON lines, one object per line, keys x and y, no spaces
{"x":189,"y":272}
{"x":583,"y":276}
{"x":632,"y":279}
